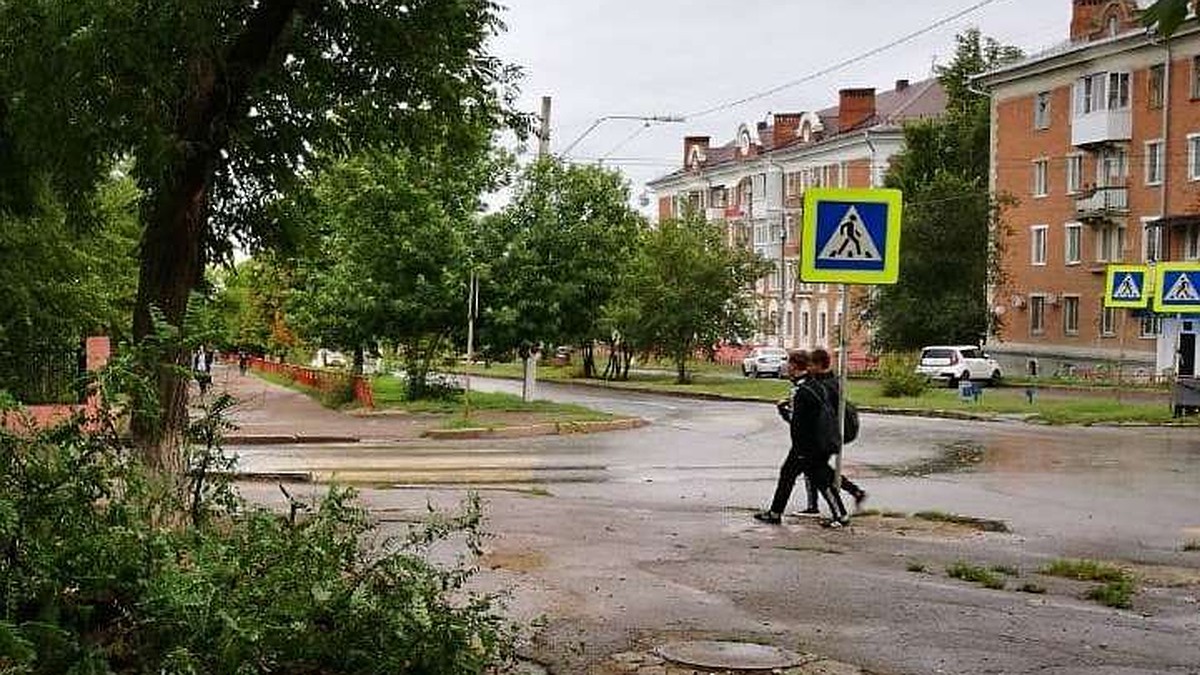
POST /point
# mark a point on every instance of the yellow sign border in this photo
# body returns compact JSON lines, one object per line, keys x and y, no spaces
{"x":1110,"y":280}
{"x":1160,"y":273}
{"x":808,"y":236}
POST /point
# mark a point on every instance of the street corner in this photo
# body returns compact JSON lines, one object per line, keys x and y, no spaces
{"x":541,"y":429}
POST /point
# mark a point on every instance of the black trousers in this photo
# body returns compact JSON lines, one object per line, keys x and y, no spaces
{"x":848,"y":485}
{"x":819,"y":475}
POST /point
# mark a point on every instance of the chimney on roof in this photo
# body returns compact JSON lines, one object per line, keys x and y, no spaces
{"x":784,"y":128}
{"x":901,"y":85}
{"x":855,"y":107}
{"x":695,"y":150}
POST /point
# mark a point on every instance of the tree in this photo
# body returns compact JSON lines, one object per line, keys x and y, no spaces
{"x":1165,"y":15}
{"x":222,"y":104}
{"x":686,"y":289}
{"x":556,"y":255}
{"x":950,"y":252}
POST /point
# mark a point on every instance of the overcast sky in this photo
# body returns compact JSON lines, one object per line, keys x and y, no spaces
{"x":678,"y":57}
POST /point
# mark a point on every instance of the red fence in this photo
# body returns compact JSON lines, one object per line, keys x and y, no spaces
{"x":857,"y":363}
{"x":320,"y":379}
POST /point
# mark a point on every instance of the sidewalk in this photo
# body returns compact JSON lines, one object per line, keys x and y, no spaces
{"x":269,"y":413}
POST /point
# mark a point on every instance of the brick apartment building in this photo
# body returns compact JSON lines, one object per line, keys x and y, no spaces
{"x":755,"y":184}
{"x":1099,"y":140}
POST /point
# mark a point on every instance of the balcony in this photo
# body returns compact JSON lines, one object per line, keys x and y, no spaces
{"x":714,"y":213}
{"x":1101,"y":126}
{"x":1102,"y":203}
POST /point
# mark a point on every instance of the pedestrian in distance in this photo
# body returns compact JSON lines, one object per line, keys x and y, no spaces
{"x":811,"y":448}
{"x":202,"y":368}
{"x":821,"y":362}
{"x":243,"y":361}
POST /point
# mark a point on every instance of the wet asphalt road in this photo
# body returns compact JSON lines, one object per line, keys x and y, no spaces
{"x":628,"y":537}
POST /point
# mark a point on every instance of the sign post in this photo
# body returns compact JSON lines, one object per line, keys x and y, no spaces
{"x":850,"y":236}
{"x":1126,"y":287}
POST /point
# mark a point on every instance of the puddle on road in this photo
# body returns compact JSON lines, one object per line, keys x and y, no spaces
{"x":954,"y":457}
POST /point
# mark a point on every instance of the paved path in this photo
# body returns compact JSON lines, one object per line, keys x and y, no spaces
{"x":270,"y":413}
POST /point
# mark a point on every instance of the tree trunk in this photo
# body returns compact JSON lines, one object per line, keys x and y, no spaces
{"x":176,"y":219}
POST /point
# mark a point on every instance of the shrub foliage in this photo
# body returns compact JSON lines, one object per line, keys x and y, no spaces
{"x":102,"y":570}
{"x":898,"y":376}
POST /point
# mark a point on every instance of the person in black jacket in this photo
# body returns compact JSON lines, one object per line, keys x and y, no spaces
{"x":811,"y":447}
{"x":821,"y":362}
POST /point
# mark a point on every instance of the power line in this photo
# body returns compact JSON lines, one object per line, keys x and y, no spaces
{"x":843,"y":63}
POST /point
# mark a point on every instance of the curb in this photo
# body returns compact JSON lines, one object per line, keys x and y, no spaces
{"x":547,"y":429}
{"x":271,"y":476}
{"x":287,"y":439}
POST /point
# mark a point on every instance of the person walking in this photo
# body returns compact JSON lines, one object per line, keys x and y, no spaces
{"x":811,"y":449}
{"x":785,"y":411}
{"x":821,"y":362}
{"x":202,"y":367}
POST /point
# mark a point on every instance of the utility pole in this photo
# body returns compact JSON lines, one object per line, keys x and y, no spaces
{"x":472,"y":313}
{"x":544,"y":130}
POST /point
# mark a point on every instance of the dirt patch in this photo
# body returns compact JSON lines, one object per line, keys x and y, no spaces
{"x":959,"y":457}
{"x":513,"y":561}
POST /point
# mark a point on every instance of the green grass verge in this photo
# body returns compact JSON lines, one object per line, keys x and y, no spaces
{"x":390,"y":394}
{"x":1117,"y":586}
{"x":1049,"y":406}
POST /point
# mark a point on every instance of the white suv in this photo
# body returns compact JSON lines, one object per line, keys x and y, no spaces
{"x":955,"y":363}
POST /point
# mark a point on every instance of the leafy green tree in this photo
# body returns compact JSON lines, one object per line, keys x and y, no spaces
{"x":1166,"y":15}
{"x":951,"y":222}
{"x":222,"y":104}
{"x":686,"y":289}
{"x":390,"y":262}
{"x":555,"y":256}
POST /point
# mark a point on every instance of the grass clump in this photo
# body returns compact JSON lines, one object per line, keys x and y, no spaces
{"x":1118,"y":594}
{"x":982,"y":524}
{"x":1116,"y":587}
{"x":1030,"y":587}
{"x":915,"y":566}
{"x":1191,"y":545}
{"x":1008,"y":570}
{"x":975,"y":574}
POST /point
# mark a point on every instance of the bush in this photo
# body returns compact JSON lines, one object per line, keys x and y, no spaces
{"x":898,"y":376}
{"x":106,"y":570}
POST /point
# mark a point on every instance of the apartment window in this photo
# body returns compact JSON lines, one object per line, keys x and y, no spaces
{"x":804,"y":327}
{"x":788,"y":323}
{"x":1193,"y":141}
{"x":1108,"y":322}
{"x":1041,"y":110}
{"x":1037,"y":241}
{"x":1154,"y":86}
{"x":1072,"y":240}
{"x":1113,"y":168}
{"x":1151,"y":240}
{"x":718,"y":197}
{"x":1151,"y":326}
{"x":1118,"y":91}
{"x":1154,"y":162}
{"x":843,"y":175}
{"x":1089,"y":94}
{"x":1196,"y":76}
{"x":1074,"y":173}
{"x":1191,"y":242}
{"x":1039,"y":177}
{"x":1070,"y":314}
{"x":1037,"y":314}
{"x":1110,"y":243}
{"x":822,"y":327}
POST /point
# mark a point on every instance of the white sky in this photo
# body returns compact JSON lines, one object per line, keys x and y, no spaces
{"x":659,"y":57}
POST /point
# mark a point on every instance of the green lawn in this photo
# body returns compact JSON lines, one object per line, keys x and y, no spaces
{"x":1051,"y":406}
{"x":389,"y":394}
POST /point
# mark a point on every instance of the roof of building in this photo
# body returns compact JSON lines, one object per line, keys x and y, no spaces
{"x":918,"y":100}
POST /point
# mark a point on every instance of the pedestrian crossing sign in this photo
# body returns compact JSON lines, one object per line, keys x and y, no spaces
{"x":1125,"y":286}
{"x":850,"y":236}
{"x":1178,"y":288}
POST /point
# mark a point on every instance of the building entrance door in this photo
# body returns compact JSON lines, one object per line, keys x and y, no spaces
{"x":1187,"y":355}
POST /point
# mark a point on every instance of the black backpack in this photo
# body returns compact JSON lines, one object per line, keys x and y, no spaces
{"x":828,"y":427}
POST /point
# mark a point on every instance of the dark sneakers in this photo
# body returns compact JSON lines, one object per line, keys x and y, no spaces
{"x":769,"y":517}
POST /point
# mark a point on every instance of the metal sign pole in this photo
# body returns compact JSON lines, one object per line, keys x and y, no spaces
{"x":472,"y":308}
{"x":843,"y":361}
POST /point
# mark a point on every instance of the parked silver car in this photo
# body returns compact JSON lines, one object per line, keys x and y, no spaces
{"x":765,"y":361}
{"x":954,"y":363}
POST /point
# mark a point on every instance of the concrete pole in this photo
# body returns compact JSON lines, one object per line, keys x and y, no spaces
{"x":843,"y":362}
{"x":544,"y":130}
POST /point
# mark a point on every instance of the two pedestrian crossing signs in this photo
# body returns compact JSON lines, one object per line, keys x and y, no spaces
{"x":1125,"y":286}
{"x":851,"y":236}
{"x":1179,"y":288}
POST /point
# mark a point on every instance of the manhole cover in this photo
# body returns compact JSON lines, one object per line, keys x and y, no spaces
{"x":728,"y":655}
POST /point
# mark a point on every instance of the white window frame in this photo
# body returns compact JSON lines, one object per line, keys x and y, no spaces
{"x":1191,"y":242}
{"x":1090,"y":93}
{"x":1150,"y":326}
{"x":1074,"y":172}
{"x":1073,"y":230}
{"x":1041,"y":177}
{"x":1193,"y":155}
{"x":1041,"y":110}
{"x":1154,"y":162}
{"x":1150,"y":252}
{"x":1108,"y":321}
{"x":1037,"y":314}
{"x":1104,"y":235}
{"x":1118,"y":91}
{"x":822,"y":326}
{"x":1038,"y":244}
{"x":1070,"y":314}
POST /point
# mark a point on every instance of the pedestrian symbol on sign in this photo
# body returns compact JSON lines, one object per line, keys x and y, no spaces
{"x":852,"y":240}
{"x":1182,"y":290}
{"x":1128,"y":290}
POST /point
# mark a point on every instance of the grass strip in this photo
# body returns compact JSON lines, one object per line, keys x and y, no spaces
{"x":975,"y":574}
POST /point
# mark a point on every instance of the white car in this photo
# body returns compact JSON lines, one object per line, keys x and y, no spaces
{"x":955,"y":363}
{"x":765,"y":361}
